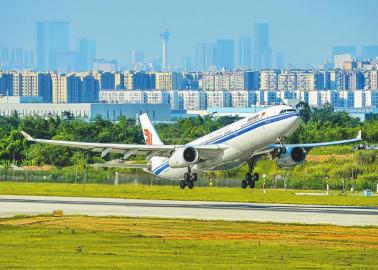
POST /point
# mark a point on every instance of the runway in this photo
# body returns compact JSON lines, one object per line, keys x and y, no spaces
{"x":11,"y":205}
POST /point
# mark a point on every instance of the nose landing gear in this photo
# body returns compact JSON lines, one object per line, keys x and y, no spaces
{"x":189,"y":179}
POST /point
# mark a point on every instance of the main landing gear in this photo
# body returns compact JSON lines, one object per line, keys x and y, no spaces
{"x":250,"y":177}
{"x":189,"y":179}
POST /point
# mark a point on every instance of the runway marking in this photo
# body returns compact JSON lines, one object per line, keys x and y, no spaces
{"x":11,"y":205}
{"x":209,"y":205}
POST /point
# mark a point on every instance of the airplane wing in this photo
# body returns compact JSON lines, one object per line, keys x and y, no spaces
{"x":308,"y":146}
{"x":119,"y":163}
{"x":204,"y":151}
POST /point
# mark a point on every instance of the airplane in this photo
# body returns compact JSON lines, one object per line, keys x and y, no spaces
{"x":246,"y":140}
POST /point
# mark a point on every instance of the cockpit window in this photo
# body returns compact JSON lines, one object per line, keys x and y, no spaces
{"x":287,"y":110}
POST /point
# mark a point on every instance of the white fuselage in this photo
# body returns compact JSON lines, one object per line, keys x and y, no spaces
{"x":243,"y":138}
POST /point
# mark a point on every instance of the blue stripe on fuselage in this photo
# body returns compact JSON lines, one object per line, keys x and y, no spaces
{"x":235,"y":134}
{"x":161,"y":168}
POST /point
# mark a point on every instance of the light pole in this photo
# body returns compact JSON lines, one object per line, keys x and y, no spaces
{"x":327,"y":185}
{"x":264,"y":182}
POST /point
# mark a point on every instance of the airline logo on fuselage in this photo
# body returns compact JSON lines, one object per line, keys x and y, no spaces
{"x":147,"y":136}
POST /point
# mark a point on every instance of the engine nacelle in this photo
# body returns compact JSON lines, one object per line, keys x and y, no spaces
{"x":291,"y":157}
{"x":183,"y":157}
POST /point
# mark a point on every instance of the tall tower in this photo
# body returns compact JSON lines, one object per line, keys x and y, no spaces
{"x":164,"y":34}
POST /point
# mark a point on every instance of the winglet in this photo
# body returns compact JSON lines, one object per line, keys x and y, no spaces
{"x":359,"y":135}
{"x":27,"y":136}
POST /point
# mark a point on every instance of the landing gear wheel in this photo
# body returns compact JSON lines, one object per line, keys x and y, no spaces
{"x":244,"y":184}
{"x":186,"y":177}
{"x":255,"y":177}
{"x":194,"y":177}
{"x":248,"y":177}
{"x":182,"y":184}
{"x":252,"y":184}
{"x":190,"y":184}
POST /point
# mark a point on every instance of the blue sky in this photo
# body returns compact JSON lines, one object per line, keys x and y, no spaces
{"x":303,"y":30}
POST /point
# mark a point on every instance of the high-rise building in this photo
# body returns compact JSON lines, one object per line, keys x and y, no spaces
{"x":269,"y":79}
{"x":90,"y":90}
{"x":346,"y":99}
{"x":28,"y":59}
{"x":168,"y":81}
{"x":338,"y":50}
{"x":340,"y":59}
{"x":191,"y":80}
{"x":262,"y":55}
{"x":137,"y":57}
{"x":67,"y":61}
{"x":74,"y":89}
{"x":119,"y":81}
{"x":59,"y":88}
{"x":187,"y":63}
{"x":371,"y":80}
{"x":309,"y":81}
{"x":218,"y":98}
{"x":204,"y":56}
{"x":45,"y":87}
{"x":86,"y":50}
{"x":4,"y":54}
{"x":224,"y":54}
{"x":105,"y":65}
{"x":280,"y":61}
{"x":241,"y":99}
{"x":192,"y":100}
{"x":139,"y":80}
{"x":112,"y":96}
{"x":164,"y":34}
{"x":52,"y":37}
{"x":17,"y":83}
{"x":356,"y":80}
{"x":6,"y":84}
{"x":157,"y":97}
{"x":245,"y":52}
{"x":287,"y":80}
{"x":29,"y":83}
{"x":107,"y":80}
{"x":228,"y":80}
{"x":337,"y":80}
{"x":17,"y":58}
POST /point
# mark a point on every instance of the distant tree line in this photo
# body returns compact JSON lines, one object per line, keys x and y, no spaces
{"x":317,"y":125}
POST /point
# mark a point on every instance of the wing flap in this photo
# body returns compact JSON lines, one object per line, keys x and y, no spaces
{"x":120,"y":164}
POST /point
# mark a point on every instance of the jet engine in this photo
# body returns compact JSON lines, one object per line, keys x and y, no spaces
{"x":291,"y":157}
{"x":183,"y":157}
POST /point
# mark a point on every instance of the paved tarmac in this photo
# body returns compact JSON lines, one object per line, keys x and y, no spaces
{"x":11,"y":205}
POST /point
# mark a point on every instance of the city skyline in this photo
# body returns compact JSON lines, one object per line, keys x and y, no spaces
{"x":304,"y":35}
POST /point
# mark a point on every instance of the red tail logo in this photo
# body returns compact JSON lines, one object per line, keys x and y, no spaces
{"x":147,"y":136}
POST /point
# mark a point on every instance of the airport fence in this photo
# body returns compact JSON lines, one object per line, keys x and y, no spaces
{"x":106,"y":176}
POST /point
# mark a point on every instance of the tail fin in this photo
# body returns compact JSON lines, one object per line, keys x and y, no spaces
{"x":149,"y":132}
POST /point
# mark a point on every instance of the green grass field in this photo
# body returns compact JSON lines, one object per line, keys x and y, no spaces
{"x":135,"y":243}
{"x":175,"y":193}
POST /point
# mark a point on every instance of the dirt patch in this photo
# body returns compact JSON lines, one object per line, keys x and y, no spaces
{"x":324,"y":235}
{"x":37,"y":168}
